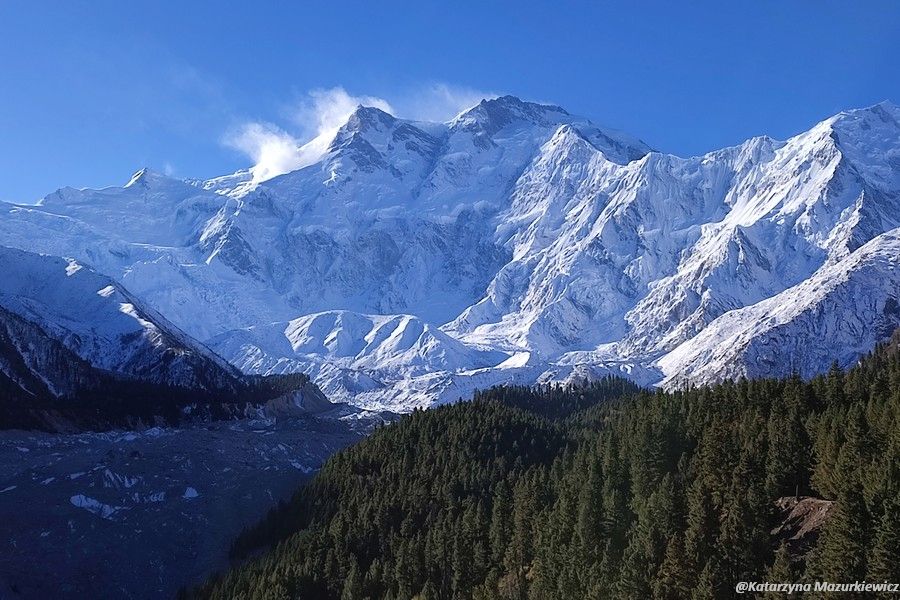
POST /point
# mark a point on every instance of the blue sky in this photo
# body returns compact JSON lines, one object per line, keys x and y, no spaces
{"x":91,"y":91}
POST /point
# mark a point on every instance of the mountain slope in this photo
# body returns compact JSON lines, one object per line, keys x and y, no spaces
{"x":79,"y":351}
{"x":508,"y":495}
{"x":564,"y":249}
{"x":102,"y":324}
{"x":648,"y":253}
{"x":368,"y":359}
{"x":35,"y":365}
{"x":838,"y":314}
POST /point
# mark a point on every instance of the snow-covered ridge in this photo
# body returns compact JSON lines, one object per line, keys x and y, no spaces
{"x":839,"y":313}
{"x":412,"y":262}
{"x":354,"y":356}
{"x":48,"y":301}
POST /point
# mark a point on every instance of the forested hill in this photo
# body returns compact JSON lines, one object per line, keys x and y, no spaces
{"x":597,"y":492}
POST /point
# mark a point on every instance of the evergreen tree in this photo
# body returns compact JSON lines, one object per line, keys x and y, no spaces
{"x":429,"y":592}
{"x":841,"y":554}
{"x":884,"y":559}
{"x":559,"y":492}
{"x":671,"y":582}
{"x":788,"y":445}
{"x":710,"y":583}
{"x":702,"y":529}
{"x":781,"y":571}
{"x":353,"y":589}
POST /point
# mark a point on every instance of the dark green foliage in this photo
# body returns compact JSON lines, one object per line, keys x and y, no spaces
{"x":884,"y":559}
{"x":603,"y":491}
{"x":781,"y":571}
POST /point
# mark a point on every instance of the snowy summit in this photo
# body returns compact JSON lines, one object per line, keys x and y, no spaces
{"x":409,"y":263}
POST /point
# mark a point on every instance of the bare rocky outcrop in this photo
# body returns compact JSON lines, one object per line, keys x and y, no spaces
{"x":801,"y":520}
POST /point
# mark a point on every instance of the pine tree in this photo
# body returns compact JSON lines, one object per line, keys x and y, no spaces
{"x":787,"y":459}
{"x":500,"y":521}
{"x":702,"y":529}
{"x":884,"y":560}
{"x":591,"y":531}
{"x":710,"y":583}
{"x":671,"y":582}
{"x":353,"y":589}
{"x":841,"y":552}
{"x":429,"y":592}
{"x":781,"y":571}
{"x":636,"y":574}
{"x":834,"y":390}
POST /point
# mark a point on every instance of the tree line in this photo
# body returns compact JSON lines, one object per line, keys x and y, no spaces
{"x":595,"y":491}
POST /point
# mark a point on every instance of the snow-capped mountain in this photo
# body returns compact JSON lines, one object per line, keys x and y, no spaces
{"x":839,"y":313}
{"x":63,"y":326}
{"x":368,"y":359}
{"x":409,"y":263}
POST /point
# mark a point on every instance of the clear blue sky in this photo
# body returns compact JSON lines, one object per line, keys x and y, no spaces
{"x":91,"y":91}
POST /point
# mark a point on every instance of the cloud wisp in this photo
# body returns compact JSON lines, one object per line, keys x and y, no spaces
{"x":317,"y":117}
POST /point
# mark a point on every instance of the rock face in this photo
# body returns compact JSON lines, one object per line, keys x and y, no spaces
{"x":802,"y":519}
{"x":410,"y":263}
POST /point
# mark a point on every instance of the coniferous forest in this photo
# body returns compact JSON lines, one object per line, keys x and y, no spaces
{"x":598,"y":491}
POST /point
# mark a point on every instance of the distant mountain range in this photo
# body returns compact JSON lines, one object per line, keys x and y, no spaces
{"x":410,"y":263}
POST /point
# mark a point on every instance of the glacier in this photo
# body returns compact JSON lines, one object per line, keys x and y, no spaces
{"x":410,"y":263}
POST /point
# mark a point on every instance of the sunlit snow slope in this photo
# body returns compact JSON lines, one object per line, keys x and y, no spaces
{"x":62,"y":324}
{"x":414,"y":262}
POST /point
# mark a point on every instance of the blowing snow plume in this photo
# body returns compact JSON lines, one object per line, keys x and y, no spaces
{"x":274,"y":151}
{"x":317,"y":118}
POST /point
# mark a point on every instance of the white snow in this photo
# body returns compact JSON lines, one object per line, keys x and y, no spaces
{"x":95,"y":318}
{"x":407,"y":264}
{"x":94,"y":506}
{"x":840,"y":312}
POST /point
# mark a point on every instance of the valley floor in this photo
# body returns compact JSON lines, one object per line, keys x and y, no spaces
{"x":139,"y":514}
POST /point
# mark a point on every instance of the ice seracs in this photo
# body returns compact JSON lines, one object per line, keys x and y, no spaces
{"x":407,"y":263}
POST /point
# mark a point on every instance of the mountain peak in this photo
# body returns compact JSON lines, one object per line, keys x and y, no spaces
{"x":869,"y":137}
{"x":867,"y":117}
{"x":523,"y":228}
{"x":877,"y":108}
{"x":145,"y":177}
{"x":364,"y":117}
{"x":510,"y":102}
{"x":492,"y":115}
{"x":569,"y":135}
